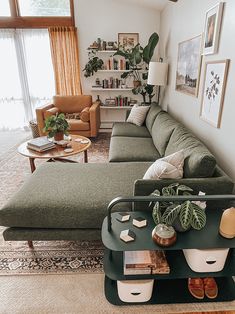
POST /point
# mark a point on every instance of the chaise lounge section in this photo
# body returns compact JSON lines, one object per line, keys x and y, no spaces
{"x":74,"y":206}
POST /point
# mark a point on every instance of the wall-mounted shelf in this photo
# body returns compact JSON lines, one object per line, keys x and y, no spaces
{"x":109,"y":71}
{"x":102,"y":51}
{"x":111,"y":89}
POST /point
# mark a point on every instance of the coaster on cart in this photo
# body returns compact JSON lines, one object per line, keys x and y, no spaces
{"x":127,"y":235}
{"x":84,"y":141}
{"x":122,"y":217}
{"x":139,"y":222}
{"x":68,"y":150}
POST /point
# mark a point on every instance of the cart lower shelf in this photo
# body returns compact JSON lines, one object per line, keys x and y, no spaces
{"x":173,"y":291}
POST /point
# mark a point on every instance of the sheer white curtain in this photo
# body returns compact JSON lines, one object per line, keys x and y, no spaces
{"x":26,"y":53}
{"x":12,"y":113}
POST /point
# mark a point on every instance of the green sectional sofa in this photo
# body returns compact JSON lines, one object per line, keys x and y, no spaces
{"x":74,"y":206}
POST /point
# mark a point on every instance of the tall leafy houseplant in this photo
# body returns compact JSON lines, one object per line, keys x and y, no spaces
{"x":138,"y":59}
{"x":188,"y":212}
{"x":56,"y":126}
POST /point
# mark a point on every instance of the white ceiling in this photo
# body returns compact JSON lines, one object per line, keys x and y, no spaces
{"x":154,"y":4}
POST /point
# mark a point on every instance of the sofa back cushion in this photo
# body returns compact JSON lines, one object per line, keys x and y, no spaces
{"x":199,"y":162}
{"x":71,"y":104}
{"x":151,"y":116}
{"x":162,"y":129}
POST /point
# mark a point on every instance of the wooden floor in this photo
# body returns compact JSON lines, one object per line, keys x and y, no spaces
{"x":220,"y":312}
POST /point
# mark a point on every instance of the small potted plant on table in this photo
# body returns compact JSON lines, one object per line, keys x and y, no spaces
{"x":56,"y":126}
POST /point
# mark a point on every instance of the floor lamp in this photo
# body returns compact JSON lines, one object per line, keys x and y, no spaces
{"x":157,"y":75}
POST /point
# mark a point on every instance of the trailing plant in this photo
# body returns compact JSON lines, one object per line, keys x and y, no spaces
{"x":190,"y":214}
{"x":93,"y":65}
{"x":138,"y":59}
{"x":55,"y":124}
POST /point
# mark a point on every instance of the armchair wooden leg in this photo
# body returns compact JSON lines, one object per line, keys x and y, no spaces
{"x":30,"y":244}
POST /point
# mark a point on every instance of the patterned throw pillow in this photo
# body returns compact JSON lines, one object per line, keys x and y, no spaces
{"x":169,"y":167}
{"x":75,"y":115}
{"x":138,"y":114}
{"x":85,"y":114}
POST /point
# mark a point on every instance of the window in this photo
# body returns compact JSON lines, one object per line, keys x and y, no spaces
{"x":5,"y":8}
{"x":26,"y":79}
{"x":36,"y":13}
{"x":44,"y":7}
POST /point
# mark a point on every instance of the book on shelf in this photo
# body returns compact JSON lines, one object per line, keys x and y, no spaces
{"x":145,"y":262}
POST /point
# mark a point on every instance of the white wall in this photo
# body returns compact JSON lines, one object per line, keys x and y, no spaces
{"x":107,"y":18}
{"x":182,"y":21}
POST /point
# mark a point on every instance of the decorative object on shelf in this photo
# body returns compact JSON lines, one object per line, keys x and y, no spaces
{"x":128,"y":40}
{"x":127,"y":235}
{"x":182,"y":215}
{"x":157,"y":76}
{"x":164,"y":235}
{"x":227,"y":223}
{"x":212,"y":29}
{"x":123,"y":217}
{"x":102,"y":45}
{"x":188,"y":66}
{"x":93,"y":65}
{"x":56,"y":126}
{"x":138,"y":59}
{"x":139,"y":222}
{"x":213,"y":91}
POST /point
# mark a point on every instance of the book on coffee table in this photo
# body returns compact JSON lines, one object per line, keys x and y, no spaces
{"x":40,"y":144}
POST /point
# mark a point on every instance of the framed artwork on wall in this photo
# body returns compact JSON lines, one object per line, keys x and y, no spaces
{"x":212,"y":29}
{"x":213,"y":91}
{"x":188,"y":66}
{"x":128,"y":40}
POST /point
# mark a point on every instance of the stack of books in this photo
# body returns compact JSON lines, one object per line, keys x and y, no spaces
{"x":145,"y":262}
{"x":40,"y":144}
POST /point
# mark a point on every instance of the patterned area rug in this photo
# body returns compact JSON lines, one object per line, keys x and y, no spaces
{"x":54,"y":257}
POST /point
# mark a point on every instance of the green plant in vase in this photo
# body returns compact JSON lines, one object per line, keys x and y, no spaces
{"x":180,"y":215}
{"x":138,"y":59}
{"x":56,"y":126}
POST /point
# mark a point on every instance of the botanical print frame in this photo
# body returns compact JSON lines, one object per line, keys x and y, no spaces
{"x":188,"y":66}
{"x":212,"y":29}
{"x":213,"y":91}
{"x":128,"y":40}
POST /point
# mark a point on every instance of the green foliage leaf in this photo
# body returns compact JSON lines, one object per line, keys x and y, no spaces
{"x":183,"y":188}
{"x":198,"y":217}
{"x":171,"y":213}
{"x":185,"y":215}
{"x":168,"y":191}
{"x":149,"y":49}
{"x":56,"y":123}
{"x":156,"y":214}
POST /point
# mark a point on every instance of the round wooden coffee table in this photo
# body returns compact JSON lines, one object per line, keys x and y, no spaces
{"x":57,"y":153}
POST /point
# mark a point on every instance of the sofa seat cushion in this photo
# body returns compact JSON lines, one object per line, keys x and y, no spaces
{"x":199,"y":162}
{"x":75,"y":124}
{"x":132,"y":149}
{"x":68,"y":195}
{"x":162,"y":129}
{"x":129,"y":130}
{"x":151,"y":115}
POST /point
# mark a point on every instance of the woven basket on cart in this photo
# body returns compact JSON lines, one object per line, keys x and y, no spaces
{"x":34,"y":128}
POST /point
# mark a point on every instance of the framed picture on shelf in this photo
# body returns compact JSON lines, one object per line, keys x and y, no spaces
{"x":212,"y":29}
{"x":213,"y":91}
{"x":128,"y":40}
{"x":188,"y":66}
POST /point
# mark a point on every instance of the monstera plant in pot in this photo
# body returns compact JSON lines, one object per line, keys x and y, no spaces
{"x":138,"y":59}
{"x":56,"y":126}
{"x":181,"y":215}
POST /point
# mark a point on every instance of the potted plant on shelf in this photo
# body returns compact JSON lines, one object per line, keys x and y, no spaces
{"x":93,"y":65}
{"x":56,"y":126}
{"x":181,"y":215}
{"x":138,"y":59}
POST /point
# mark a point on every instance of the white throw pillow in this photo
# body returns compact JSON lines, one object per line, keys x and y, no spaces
{"x":138,"y":114}
{"x":169,"y":167}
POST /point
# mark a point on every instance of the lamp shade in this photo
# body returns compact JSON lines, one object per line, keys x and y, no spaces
{"x":157,"y":74}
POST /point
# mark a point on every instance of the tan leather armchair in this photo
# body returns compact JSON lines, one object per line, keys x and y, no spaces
{"x":83,"y":116}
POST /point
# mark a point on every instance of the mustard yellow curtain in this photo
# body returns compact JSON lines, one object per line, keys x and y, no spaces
{"x":64,"y":51}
